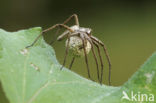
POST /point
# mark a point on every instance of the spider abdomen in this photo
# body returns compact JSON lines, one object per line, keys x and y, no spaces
{"x":76,"y":46}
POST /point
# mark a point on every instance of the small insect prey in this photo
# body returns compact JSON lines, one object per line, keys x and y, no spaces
{"x":80,"y":41}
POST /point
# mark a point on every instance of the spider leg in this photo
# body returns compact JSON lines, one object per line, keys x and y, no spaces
{"x":65,"y":22}
{"x":99,"y":53}
{"x":107,"y":56}
{"x":86,"y":59}
{"x":71,"y":63}
{"x":35,"y":40}
{"x":75,"y":17}
{"x":88,"y":38}
{"x":63,"y":35}
{"x":44,"y":31}
{"x":59,"y":25}
{"x":66,"y":53}
{"x":52,"y":41}
{"x":109,"y":62}
{"x":73,"y":59}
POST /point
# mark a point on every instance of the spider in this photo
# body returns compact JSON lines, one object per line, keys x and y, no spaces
{"x":80,"y":40}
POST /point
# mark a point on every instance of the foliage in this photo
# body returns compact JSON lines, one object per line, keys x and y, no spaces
{"x":33,"y":75}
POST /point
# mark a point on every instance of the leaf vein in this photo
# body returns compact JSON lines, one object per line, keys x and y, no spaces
{"x":24,"y":76}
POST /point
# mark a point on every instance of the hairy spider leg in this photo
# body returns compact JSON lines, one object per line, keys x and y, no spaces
{"x":67,"y":48}
{"x":86,"y":59}
{"x":66,"y":53}
{"x":99,"y":53}
{"x":93,"y":52}
{"x":109,"y":62}
{"x":65,"y":22}
{"x":107,"y":56}
{"x":54,"y":39}
{"x":54,"y":26}
{"x":72,"y":16}
{"x":73,"y":59}
{"x":70,"y":66}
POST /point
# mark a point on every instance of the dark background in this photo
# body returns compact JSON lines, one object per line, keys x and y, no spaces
{"x":127,"y":27}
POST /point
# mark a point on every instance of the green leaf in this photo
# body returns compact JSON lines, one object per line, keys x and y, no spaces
{"x":33,"y":75}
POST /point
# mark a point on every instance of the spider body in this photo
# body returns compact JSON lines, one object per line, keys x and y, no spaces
{"x":75,"y":42}
{"x":80,"y":42}
{"x":76,"y":31}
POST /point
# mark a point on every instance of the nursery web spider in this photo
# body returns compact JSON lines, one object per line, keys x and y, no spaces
{"x":81,"y":40}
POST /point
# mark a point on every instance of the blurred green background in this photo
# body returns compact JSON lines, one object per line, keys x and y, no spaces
{"x":127,"y":27}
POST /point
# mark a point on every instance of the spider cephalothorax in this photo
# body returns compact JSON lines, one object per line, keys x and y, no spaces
{"x":80,"y":42}
{"x":75,"y":42}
